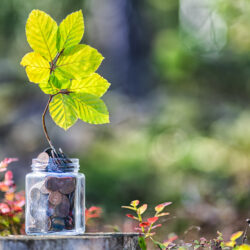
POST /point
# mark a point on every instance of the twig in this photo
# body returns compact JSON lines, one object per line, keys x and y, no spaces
{"x":63,"y":92}
{"x":44,"y":125}
{"x":244,"y":238}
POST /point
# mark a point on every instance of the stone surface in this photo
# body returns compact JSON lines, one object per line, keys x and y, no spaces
{"x":90,"y":241}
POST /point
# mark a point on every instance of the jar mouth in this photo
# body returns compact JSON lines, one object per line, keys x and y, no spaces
{"x":57,"y":165}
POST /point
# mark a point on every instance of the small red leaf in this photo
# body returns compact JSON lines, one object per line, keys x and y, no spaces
{"x":152,"y":220}
{"x":162,"y":214}
{"x":158,"y":225}
{"x":131,"y":216}
{"x":144,"y":224}
{"x":4,"y":208}
{"x":160,"y":207}
{"x":171,"y":239}
{"x":8,"y":176}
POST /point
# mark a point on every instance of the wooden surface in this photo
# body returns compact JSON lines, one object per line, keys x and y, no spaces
{"x":90,"y":241}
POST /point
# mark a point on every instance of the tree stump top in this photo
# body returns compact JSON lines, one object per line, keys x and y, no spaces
{"x":88,"y":241}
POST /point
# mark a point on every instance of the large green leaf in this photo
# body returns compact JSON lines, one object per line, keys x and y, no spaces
{"x":63,"y":111}
{"x":53,"y":86}
{"x":90,"y":108}
{"x":37,"y":68}
{"x":41,"y":31}
{"x":48,"y":88}
{"x":70,"y":30}
{"x":78,"y":62}
{"x":94,"y":84}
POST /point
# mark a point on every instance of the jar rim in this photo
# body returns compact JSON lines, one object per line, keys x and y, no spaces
{"x":57,"y":165}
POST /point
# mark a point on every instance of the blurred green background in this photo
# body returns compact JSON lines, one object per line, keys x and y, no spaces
{"x":179,"y":105}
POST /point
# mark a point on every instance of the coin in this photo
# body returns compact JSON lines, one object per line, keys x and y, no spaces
{"x":55,"y":198}
{"x":51,"y":183}
{"x":50,"y":209}
{"x":62,"y":210}
{"x":58,"y":224}
{"x":35,"y":193}
{"x":72,"y":200}
{"x":69,"y":223}
{"x":33,"y":209}
{"x":43,"y":201}
{"x":43,"y":157}
{"x":68,"y":186}
{"x":49,"y":224}
{"x":43,"y":223}
{"x":43,"y":189}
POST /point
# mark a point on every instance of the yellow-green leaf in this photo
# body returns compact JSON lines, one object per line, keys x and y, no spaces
{"x":128,"y":207}
{"x":90,"y":108}
{"x":236,"y":235}
{"x":244,"y":247}
{"x":48,"y":88}
{"x":62,"y":111}
{"x":78,"y":62}
{"x":70,"y":30}
{"x":37,"y":68}
{"x":142,"y":208}
{"x":41,"y":31}
{"x":94,"y":84}
{"x":134,"y":203}
{"x":53,"y":86}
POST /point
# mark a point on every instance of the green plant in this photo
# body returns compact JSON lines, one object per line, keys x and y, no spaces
{"x":147,"y":226}
{"x":65,"y":70}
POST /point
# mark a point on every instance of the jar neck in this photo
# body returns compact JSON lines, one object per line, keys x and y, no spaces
{"x":56,"y":165}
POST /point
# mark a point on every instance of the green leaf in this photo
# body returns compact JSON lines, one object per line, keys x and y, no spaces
{"x":48,"y":88}
{"x":53,"y":86}
{"x":142,"y":208}
{"x":90,"y":108}
{"x":78,"y":62}
{"x":41,"y":31}
{"x":62,"y":111}
{"x":70,"y":30}
{"x":16,"y":219}
{"x":94,"y":84}
{"x":37,"y":68}
{"x":159,"y":244}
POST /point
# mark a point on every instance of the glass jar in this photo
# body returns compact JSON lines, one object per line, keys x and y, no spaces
{"x":55,"y":198}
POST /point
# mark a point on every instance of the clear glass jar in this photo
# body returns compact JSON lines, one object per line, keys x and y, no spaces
{"x":55,"y":198}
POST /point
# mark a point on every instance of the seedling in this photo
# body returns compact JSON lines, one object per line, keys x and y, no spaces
{"x":65,"y":70}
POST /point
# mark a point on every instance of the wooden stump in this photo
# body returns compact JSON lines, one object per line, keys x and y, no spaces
{"x":90,"y":241}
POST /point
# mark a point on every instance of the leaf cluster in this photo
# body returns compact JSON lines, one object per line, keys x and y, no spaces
{"x":146,"y":226}
{"x":65,"y":69}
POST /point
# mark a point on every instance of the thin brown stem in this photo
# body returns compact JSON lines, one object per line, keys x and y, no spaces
{"x":244,"y":238}
{"x":44,"y":124}
{"x":63,"y":92}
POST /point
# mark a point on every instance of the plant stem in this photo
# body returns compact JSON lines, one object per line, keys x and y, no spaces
{"x":44,"y":124}
{"x":244,"y":238}
{"x":140,"y":219}
{"x":63,"y":92}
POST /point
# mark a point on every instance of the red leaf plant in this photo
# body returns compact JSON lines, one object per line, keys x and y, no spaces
{"x":146,"y":226}
{"x":92,"y":212}
{"x":11,"y":206}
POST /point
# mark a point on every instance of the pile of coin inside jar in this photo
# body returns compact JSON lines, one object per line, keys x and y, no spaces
{"x":51,"y":203}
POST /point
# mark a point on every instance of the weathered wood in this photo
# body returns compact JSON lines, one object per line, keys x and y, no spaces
{"x":90,"y":241}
